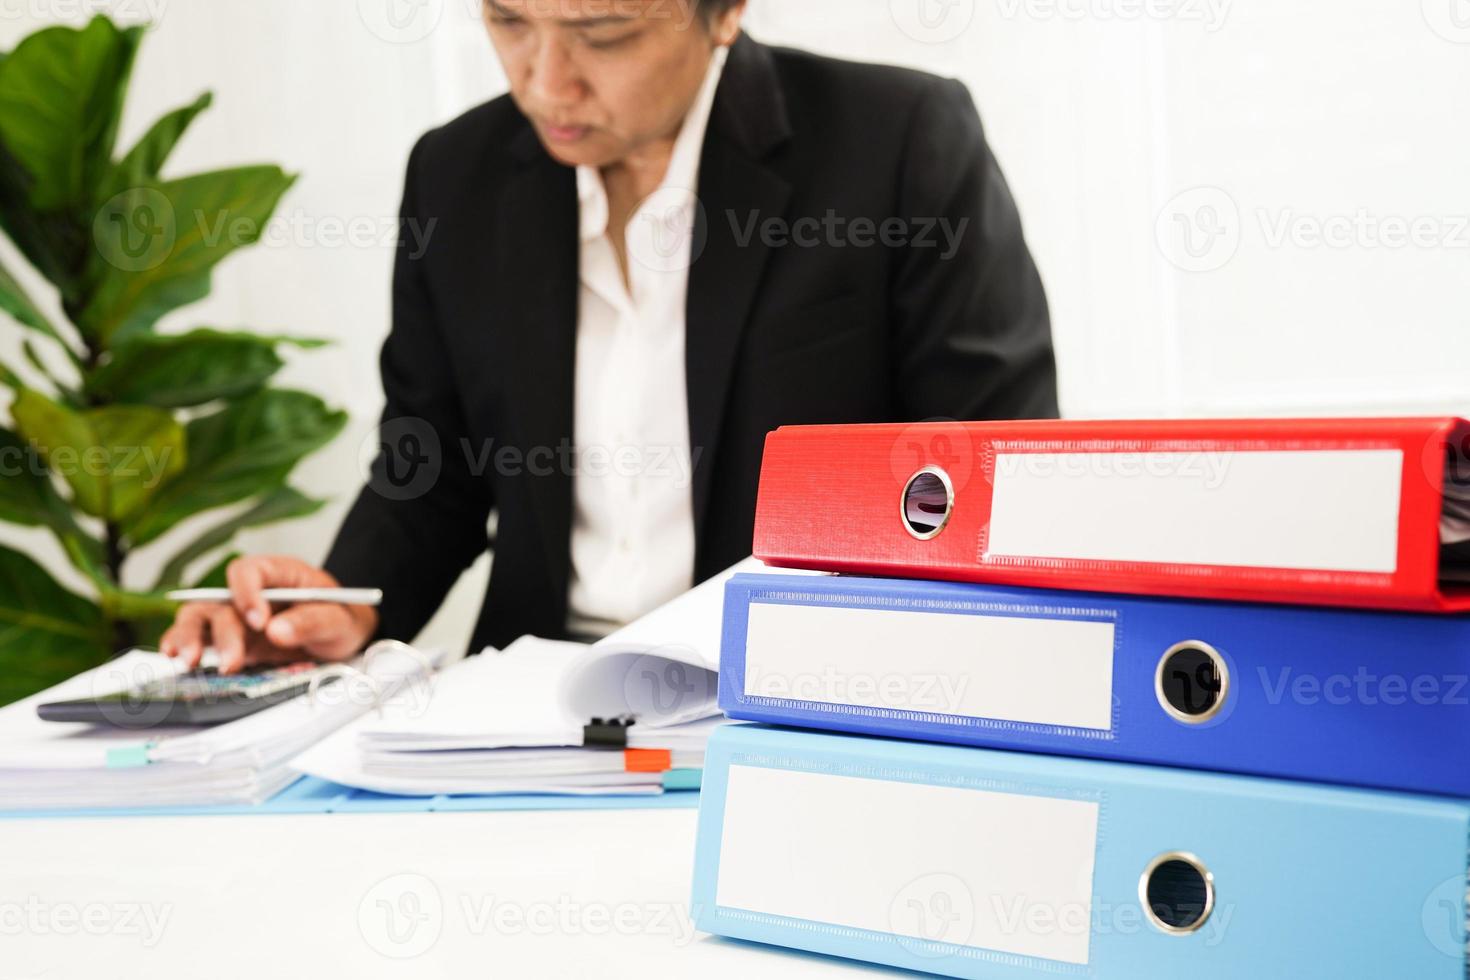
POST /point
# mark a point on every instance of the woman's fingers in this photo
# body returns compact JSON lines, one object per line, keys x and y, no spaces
{"x":249,"y":577}
{"x":260,"y":652}
{"x":245,"y":632}
{"x":228,"y":632}
{"x":186,"y":638}
{"x":325,"y":630}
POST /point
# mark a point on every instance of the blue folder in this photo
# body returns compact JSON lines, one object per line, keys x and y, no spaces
{"x":998,"y":865}
{"x":1370,"y":699}
{"x":311,"y":795}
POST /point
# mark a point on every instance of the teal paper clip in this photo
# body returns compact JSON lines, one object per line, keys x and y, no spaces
{"x":682,"y":779}
{"x":130,"y":757}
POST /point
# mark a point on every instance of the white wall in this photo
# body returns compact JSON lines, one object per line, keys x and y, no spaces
{"x":1122,"y":125}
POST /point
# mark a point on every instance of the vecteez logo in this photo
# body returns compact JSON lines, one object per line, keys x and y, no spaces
{"x":1199,"y":230}
{"x":932,"y":21}
{"x":401,"y":917}
{"x":932,"y":913}
{"x":136,"y":230}
{"x":1210,"y":14}
{"x":401,"y":21}
{"x":1450,"y":19}
{"x":665,"y":685}
{"x":401,"y":459}
{"x":669,"y":231}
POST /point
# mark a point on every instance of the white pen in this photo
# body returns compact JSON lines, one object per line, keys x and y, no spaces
{"x":347,"y":597}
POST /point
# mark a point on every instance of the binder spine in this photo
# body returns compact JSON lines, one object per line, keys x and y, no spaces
{"x":1228,"y":901}
{"x":746,"y":593}
{"x":950,"y":501}
{"x":917,"y":720}
{"x":1466,"y":923}
{"x":1255,"y":690}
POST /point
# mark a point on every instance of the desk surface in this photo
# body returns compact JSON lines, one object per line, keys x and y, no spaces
{"x":545,"y":895}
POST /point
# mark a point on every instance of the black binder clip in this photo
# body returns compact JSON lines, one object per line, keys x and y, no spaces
{"x":607,"y":733}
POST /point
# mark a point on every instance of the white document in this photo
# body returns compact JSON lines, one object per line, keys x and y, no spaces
{"x":52,"y":765}
{"x":661,"y":671}
{"x":495,"y":723}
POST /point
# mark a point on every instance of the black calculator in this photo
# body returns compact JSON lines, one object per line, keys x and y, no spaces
{"x":203,"y":697}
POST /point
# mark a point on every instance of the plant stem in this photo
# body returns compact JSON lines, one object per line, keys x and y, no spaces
{"x":91,"y":357}
{"x":115,"y":554}
{"x":123,"y":636}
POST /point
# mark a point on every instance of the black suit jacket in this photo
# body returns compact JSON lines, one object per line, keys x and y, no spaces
{"x":840,"y":323}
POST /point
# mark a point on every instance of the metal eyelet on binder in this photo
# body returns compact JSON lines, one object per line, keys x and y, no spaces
{"x":927,"y":503}
{"x":396,"y":646}
{"x":348,"y":671}
{"x":1192,"y":682}
{"x":1177,"y":892}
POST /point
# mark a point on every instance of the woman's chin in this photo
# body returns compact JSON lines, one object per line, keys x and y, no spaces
{"x":586,"y":150}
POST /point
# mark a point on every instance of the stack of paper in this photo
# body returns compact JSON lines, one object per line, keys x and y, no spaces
{"x":517,"y":721}
{"x":48,"y":765}
{"x":498,"y":723}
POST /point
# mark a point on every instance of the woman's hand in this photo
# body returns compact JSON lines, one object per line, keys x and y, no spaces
{"x":246,"y":632}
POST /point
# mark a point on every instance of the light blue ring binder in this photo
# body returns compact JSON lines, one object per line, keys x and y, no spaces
{"x":1317,"y":881}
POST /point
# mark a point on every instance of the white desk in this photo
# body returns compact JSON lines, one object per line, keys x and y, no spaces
{"x":571,"y":895}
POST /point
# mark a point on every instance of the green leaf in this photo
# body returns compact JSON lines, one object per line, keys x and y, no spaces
{"x":13,"y":300}
{"x":145,"y":447}
{"x":26,"y":495}
{"x":47,"y":633}
{"x":217,"y":577}
{"x":115,"y":458}
{"x":283,"y":504}
{"x":62,"y":436}
{"x":28,"y":498}
{"x":156,"y":245}
{"x":33,"y":357}
{"x":149,"y":630}
{"x":245,"y":449}
{"x":190,"y":369}
{"x":69,"y":394}
{"x":146,"y":159}
{"x":61,"y":97}
{"x":86,"y":553}
{"x":55,"y":243}
{"x":119,"y":604}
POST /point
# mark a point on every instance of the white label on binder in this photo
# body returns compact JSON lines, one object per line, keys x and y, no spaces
{"x":1331,"y":510}
{"x":935,"y":864}
{"x":1006,"y":668}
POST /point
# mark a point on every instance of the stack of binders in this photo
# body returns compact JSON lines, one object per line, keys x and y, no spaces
{"x":1105,"y":700}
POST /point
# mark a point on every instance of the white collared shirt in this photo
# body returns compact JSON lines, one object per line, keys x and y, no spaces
{"x":633,"y":510}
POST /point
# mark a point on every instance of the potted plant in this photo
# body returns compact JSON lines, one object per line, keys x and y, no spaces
{"x":115,"y":432}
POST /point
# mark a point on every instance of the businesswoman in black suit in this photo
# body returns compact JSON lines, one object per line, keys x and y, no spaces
{"x":667,"y":240}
